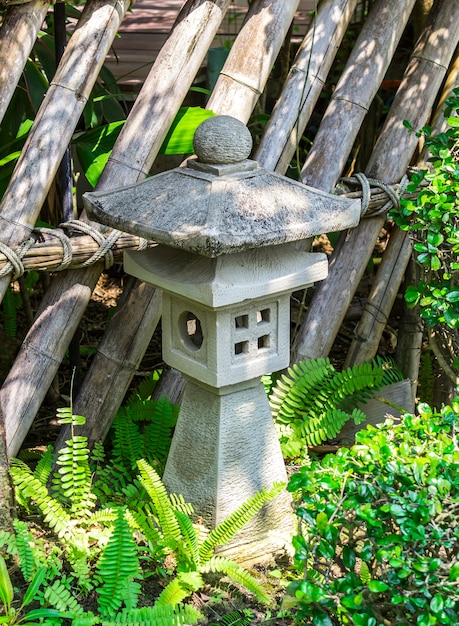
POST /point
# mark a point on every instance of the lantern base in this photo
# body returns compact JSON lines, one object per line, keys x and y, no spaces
{"x":225,"y":449}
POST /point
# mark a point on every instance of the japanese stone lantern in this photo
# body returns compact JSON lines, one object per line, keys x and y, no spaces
{"x":227,"y":264}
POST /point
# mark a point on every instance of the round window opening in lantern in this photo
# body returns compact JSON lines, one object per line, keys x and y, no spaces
{"x":190,"y":329}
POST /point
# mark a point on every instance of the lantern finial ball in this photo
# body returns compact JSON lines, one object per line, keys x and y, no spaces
{"x":222,"y":140}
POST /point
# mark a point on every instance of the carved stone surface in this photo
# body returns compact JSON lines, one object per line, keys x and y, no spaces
{"x":225,"y":206}
{"x":222,"y":139}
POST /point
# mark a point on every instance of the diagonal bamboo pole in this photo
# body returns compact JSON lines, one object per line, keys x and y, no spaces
{"x":355,"y":91}
{"x":304,"y":84}
{"x":389,"y":160}
{"x":235,"y":94}
{"x":61,"y":109}
{"x":389,"y":277}
{"x":18,"y":33}
{"x":65,"y":301}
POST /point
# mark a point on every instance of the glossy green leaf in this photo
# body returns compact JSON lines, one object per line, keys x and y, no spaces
{"x":6,"y":587}
{"x":179,"y":139}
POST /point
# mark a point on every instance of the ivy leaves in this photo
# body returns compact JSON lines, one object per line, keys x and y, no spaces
{"x":433,"y":220}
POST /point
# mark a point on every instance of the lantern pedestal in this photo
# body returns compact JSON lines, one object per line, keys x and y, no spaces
{"x":224,"y":450}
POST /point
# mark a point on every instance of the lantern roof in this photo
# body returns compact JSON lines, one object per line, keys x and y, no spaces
{"x":221,"y":202}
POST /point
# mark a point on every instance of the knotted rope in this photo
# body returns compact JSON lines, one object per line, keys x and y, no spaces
{"x":366,"y":183}
{"x":14,"y":264}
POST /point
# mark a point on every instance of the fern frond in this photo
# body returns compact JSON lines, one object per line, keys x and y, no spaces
{"x":179,"y":503}
{"x":145,"y":389}
{"x":162,"y":505}
{"x":244,"y":617}
{"x":184,"y":584}
{"x":238,"y":574}
{"x":8,"y":542}
{"x":157,"y":615}
{"x":144,"y":523}
{"x":118,"y":564}
{"x":315,"y":401}
{"x":44,"y":466}
{"x":190,"y":539}
{"x":222,"y":533}
{"x":89,"y":619}
{"x":300,"y":388}
{"x":158,"y":433}
{"x":32,"y":490}
{"x":101,"y":516}
{"x":60,"y":598}
{"x":72,"y":481}
{"x":24,"y":541}
{"x":127,"y":440}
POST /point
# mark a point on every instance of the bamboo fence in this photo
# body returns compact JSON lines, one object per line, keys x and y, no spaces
{"x":240,"y":85}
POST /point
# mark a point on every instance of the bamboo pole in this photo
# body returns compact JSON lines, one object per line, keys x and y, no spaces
{"x":387,"y":282}
{"x":388,"y":162}
{"x":304,"y":84}
{"x":65,"y":301}
{"x":233,"y":95}
{"x":249,"y":63}
{"x":50,"y":254}
{"x":56,"y":120}
{"x":53,"y":251}
{"x":381,"y":299}
{"x":18,"y":33}
{"x":354,"y":93}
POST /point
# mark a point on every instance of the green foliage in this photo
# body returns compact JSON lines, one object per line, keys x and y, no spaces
{"x":13,"y":615}
{"x":192,"y":546}
{"x":378,"y":541}
{"x":94,"y":146}
{"x":117,"y":568}
{"x":108,"y":552}
{"x":433,"y":221}
{"x":312,"y":401}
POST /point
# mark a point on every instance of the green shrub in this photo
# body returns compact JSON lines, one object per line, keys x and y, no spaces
{"x":378,"y":538}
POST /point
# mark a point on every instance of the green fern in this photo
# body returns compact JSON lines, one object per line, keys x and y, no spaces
{"x":244,"y":617}
{"x":238,"y":574}
{"x":54,"y":514}
{"x":145,"y":388}
{"x":183,"y":585}
{"x":8,"y":543}
{"x":157,"y":615}
{"x":44,"y":466}
{"x":59,"y":597}
{"x":312,"y":402}
{"x":193,"y":549}
{"x":28,"y":562}
{"x":166,"y":517}
{"x":117,"y":567}
{"x":72,"y":482}
{"x":226,"y":530}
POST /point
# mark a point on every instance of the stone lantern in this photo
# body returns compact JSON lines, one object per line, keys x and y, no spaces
{"x":227,"y":264}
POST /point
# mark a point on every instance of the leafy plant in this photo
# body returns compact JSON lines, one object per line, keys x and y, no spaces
{"x":432,"y":218}
{"x":378,"y":541}
{"x":193,"y":546}
{"x":312,"y":401}
{"x":18,"y":615}
{"x":110,"y":551}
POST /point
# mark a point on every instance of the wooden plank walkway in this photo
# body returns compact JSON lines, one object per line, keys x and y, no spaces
{"x":145,"y":29}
